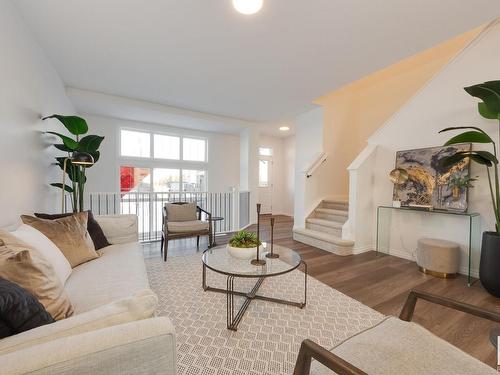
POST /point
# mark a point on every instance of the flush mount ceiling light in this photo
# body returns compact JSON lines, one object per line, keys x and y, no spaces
{"x":284,"y":128}
{"x":248,"y":6}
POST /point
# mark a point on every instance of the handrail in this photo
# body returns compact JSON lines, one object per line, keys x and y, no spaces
{"x":322,"y":157}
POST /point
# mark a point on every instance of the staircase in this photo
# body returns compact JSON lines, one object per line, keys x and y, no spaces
{"x":324,"y":228}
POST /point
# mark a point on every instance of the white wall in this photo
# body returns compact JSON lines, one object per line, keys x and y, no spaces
{"x":283,"y":159}
{"x":30,"y":88}
{"x":441,"y":103}
{"x":289,"y":151}
{"x":308,"y":146}
{"x":223,"y":167}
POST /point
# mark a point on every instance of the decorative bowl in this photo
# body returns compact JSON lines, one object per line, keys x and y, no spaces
{"x":242,"y":252}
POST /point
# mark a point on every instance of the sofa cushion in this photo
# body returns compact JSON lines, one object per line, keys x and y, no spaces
{"x":181,"y":212}
{"x":141,"y":305}
{"x":26,"y":267}
{"x":116,"y":274}
{"x":69,"y":234}
{"x":395,"y":347}
{"x":187,"y":226}
{"x":47,"y":248}
{"x":19,"y":310}
{"x":119,"y":229}
{"x":93,"y":227}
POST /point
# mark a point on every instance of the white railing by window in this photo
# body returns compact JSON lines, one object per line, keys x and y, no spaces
{"x":232,"y":206}
{"x":316,"y":164}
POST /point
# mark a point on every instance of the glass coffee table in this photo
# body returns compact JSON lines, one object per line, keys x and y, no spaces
{"x":217,"y":259}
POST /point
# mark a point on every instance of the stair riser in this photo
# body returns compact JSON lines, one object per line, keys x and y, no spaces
{"x":325,"y":229}
{"x":335,"y":206}
{"x":336,"y":218}
{"x":335,"y":249}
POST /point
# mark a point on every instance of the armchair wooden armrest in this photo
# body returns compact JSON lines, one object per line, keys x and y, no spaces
{"x":411,"y":301}
{"x":309,"y":350}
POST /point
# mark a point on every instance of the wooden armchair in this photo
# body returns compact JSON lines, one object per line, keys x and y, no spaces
{"x":417,"y":351}
{"x":183,"y":220}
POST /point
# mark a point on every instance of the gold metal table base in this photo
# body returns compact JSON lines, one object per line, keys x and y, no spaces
{"x":232,"y":319}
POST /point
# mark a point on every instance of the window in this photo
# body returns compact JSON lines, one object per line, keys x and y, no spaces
{"x":135,"y":144}
{"x":170,"y":163}
{"x":193,"y":180}
{"x":167,"y":147}
{"x":166,"y":180}
{"x":194,"y":149}
{"x":134,"y":180}
{"x":265,"y":151}
{"x":263,"y":173}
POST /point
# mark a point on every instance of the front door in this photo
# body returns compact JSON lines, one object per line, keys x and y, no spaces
{"x":265,"y":196}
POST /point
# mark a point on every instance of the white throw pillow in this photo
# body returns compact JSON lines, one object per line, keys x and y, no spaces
{"x":141,"y":305}
{"x":47,"y":248}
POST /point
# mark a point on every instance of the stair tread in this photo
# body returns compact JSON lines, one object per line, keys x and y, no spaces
{"x":336,"y":201}
{"x":324,"y":237}
{"x":325,"y":222}
{"x":332,"y":212}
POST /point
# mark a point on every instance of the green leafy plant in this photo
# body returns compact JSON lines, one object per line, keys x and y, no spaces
{"x":89,"y":144}
{"x":456,"y":181}
{"x":489,"y":108}
{"x":244,"y":239}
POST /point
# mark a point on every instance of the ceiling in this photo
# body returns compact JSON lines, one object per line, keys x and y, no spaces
{"x":203,"y":56}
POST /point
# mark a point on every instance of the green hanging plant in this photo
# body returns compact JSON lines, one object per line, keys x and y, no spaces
{"x":89,"y":144}
{"x":489,"y":108}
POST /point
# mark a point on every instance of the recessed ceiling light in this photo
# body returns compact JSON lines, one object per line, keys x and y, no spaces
{"x":284,"y":128}
{"x":248,"y":6}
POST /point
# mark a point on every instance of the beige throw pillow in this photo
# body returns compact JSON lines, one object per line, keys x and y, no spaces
{"x":181,"y":212}
{"x":69,"y":234}
{"x":26,"y":267}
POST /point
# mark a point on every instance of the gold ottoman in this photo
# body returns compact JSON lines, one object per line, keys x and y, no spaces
{"x":438,"y":258}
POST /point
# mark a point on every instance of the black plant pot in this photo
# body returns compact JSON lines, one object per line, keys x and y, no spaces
{"x":489,"y":268}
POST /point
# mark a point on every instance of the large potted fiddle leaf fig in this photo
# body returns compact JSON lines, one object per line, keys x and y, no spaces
{"x":80,"y":143}
{"x":489,"y":108}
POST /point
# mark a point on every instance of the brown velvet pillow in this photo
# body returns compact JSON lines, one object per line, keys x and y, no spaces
{"x":95,"y":230}
{"x":23,"y":265}
{"x":69,"y":234}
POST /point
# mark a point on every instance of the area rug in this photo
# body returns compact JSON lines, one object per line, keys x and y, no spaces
{"x":269,"y":336}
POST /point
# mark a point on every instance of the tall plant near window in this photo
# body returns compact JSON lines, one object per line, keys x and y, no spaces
{"x":489,"y":108}
{"x":90,"y":144}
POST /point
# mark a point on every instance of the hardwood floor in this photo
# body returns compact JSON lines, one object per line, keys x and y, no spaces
{"x":383,"y":282}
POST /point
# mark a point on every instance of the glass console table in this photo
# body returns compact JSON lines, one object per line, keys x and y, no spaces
{"x":384,"y":216}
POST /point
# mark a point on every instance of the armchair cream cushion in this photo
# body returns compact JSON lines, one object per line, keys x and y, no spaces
{"x":395,"y":347}
{"x":187,"y":226}
{"x":181,"y":212}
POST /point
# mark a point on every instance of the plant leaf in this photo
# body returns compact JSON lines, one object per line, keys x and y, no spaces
{"x":69,"y":189}
{"x":63,"y":147}
{"x":96,"y":155}
{"x":90,"y":143}
{"x":462,"y":127}
{"x":489,"y":93}
{"x":68,"y":142}
{"x":470,"y":137}
{"x":485,"y":112}
{"x":75,"y":125}
{"x":483,"y":154}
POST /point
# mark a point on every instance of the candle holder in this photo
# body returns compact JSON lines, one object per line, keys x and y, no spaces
{"x":272,"y":254}
{"x":257,"y":261}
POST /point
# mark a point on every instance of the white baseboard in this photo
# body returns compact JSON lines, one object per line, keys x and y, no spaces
{"x":362,"y":249}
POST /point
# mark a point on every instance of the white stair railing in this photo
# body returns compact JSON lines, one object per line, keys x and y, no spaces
{"x":320,"y":159}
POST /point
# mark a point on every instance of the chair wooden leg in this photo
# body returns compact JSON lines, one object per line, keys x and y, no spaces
{"x":198,"y":242}
{"x":161,"y":245}
{"x":165,"y":249}
{"x":210,"y":239}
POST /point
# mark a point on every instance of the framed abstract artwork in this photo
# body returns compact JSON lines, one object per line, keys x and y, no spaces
{"x":428,"y":182}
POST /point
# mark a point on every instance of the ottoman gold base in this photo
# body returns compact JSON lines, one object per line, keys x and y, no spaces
{"x":442,"y":275}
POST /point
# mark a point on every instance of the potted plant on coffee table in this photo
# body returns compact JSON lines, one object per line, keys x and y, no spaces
{"x":243,"y":245}
{"x":489,"y":108}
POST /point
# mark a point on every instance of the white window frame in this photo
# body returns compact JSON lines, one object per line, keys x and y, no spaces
{"x":151,"y":162}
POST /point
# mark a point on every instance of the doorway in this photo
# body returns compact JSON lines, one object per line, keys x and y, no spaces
{"x":265,"y":188}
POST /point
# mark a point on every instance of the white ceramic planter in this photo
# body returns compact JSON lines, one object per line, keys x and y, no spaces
{"x":242,"y":253}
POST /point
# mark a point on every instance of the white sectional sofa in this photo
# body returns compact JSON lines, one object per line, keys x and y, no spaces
{"x":113,"y":329}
